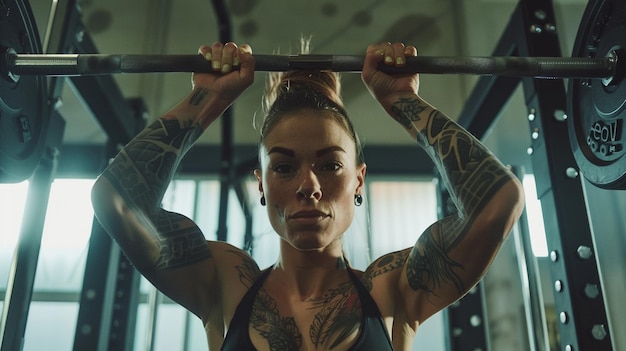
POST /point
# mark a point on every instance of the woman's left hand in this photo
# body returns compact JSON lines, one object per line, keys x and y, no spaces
{"x":386,"y":87}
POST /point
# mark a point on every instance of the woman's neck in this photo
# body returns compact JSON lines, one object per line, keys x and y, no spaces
{"x":309,"y":272}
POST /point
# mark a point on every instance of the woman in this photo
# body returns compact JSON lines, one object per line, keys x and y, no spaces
{"x":310,"y":178}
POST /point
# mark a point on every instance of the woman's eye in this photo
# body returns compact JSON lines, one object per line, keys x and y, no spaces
{"x":282,"y":168}
{"x":332,"y":166}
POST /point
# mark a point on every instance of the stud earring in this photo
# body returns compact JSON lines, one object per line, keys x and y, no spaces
{"x":358,"y":200}
{"x":262,"y":200}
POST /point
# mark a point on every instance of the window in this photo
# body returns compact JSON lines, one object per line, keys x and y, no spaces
{"x":400,"y":212}
{"x":393,"y":215}
{"x":12,"y":201}
{"x":535,"y":217}
{"x":60,"y":267}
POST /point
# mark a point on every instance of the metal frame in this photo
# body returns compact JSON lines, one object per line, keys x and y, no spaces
{"x":578,"y":296}
{"x":227,"y":154}
{"x":578,"y":293}
{"x":106,"y":317}
{"x":84,"y":160}
{"x":108,"y":307}
{"x":24,"y":266}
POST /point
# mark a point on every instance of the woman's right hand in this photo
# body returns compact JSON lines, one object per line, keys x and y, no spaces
{"x":233,"y":73}
{"x":387,"y":87}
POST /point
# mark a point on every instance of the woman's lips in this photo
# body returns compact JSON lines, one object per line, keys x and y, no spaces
{"x":308,"y":217}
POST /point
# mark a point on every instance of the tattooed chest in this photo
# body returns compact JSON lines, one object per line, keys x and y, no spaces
{"x":330,"y":322}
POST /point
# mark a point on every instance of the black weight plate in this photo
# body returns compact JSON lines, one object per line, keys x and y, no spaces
{"x":23,"y":103}
{"x":597,"y":110}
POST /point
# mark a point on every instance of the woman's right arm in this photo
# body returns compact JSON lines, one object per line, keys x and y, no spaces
{"x":169,"y":248}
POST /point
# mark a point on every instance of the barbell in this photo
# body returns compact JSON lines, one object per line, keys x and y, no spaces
{"x":95,"y":64}
{"x":596,"y":93}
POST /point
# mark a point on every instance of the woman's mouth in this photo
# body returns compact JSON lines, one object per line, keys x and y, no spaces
{"x":308,"y":217}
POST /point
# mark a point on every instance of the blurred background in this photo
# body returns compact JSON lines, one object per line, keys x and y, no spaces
{"x":400,"y":202}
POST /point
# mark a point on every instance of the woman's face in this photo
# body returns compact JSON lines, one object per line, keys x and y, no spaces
{"x":309,"y":178}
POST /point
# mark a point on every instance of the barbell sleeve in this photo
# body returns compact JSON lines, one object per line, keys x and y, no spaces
{"x":95,"y":64}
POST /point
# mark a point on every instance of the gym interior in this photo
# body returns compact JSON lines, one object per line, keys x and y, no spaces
{"x":558,"y":282}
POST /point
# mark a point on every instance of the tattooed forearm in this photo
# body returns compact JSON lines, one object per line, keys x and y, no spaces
{"x":406,"y":111}
{"x":198,"y":96}
{"x":471,"y":174}
{"x":141,"y":173}
{"x":143,"y":169}
{"x":470,"y":171}
{"x":429,"y":265}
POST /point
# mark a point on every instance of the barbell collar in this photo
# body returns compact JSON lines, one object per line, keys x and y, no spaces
{"x":97,"y":64}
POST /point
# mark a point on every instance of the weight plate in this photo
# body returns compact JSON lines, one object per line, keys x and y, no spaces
{"x":597,"y":108}
{"x":23,"y":102}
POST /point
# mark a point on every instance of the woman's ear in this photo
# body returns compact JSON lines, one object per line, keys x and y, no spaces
{"x":360,"y":178}
{"x":257,"y":174}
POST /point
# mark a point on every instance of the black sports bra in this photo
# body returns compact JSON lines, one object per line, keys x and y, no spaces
{"x":373,"y":334}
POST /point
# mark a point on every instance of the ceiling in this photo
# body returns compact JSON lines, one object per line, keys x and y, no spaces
{"x":435,"y":27}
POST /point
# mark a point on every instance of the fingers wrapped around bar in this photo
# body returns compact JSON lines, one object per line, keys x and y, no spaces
{"x":384,"y":86}
{"x":224,"y":57}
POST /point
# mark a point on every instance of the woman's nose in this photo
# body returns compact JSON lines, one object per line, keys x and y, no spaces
{"x":309,"y":187}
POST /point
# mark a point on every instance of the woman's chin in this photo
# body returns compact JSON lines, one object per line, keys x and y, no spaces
{"x":315,"y":243}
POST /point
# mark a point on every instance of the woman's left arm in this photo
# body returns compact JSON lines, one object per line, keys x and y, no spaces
{"x":454,"y":253}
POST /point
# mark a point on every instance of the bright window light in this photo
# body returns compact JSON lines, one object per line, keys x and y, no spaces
{"x":400,"y":212}
{"x":70,"y":215}
{"x":535,"y":218}
{"x":69,"y":209}
{"x":12,"y":201}
{"x":65,"y":236}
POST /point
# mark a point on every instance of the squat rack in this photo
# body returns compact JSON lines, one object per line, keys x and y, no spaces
{"x":108,"y":321}
{"x":583,"y":322}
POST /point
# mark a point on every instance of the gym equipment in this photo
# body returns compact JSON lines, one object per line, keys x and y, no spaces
{"x":596,"y":97}
{"x":93,"y":64}
{"x":597,"y":108}
{"x":23,"y":102}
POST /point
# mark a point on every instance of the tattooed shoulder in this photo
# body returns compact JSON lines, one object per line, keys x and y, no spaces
{"x":384,"y":264}
{"x":246,"y":267}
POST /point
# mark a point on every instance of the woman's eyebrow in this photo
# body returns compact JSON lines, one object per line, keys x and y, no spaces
{"x":318,"y":153}
{"x":328,"y":150}
{"x":281,"y":150}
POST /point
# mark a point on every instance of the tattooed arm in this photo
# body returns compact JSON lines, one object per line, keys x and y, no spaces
{"x":452,"y":255}
{"x":168,"y":248}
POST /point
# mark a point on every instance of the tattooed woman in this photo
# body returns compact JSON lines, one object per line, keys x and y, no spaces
{"x":310,"y":178}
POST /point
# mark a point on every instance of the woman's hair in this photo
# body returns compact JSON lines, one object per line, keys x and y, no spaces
{"x":291,"y":91}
